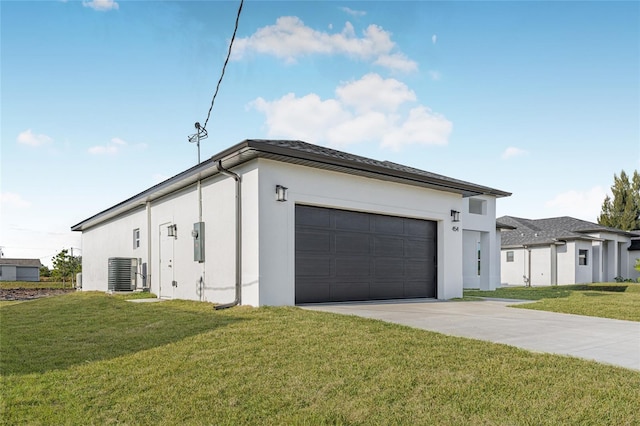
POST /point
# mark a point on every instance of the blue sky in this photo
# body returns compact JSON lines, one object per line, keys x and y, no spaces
{"x":541,"y":99}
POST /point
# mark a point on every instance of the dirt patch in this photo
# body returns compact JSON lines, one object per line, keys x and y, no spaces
{"x":31,"y":293}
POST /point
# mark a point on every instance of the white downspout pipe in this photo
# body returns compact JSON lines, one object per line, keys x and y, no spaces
{"x":147,"y":276}
{"x":238,"y":179}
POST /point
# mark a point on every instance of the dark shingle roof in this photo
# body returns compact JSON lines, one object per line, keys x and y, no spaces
{"x":20,"y":262}
{"x":550,"y":230}
{"x":320,"y":154}
{"x":300,"y":153}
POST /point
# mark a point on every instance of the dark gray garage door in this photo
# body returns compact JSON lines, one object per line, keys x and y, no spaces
{"x":343,"y":255}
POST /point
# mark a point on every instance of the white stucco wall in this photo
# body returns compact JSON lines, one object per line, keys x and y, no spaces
{"x":478,"y":219}
{"x":512,"y":272}
{"x":113,"y":238}
{"x":268,"y":233}
{"x":584,"y":273}
{"x":566,"y":263}
{"x":470,"y":241}
{"x":540,"y":266}
{"x":336,"y":190}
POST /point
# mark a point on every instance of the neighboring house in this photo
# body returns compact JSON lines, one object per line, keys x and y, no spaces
{"x":290,"y":222}
{"x":564,"y":250}
{"x":19,"y":269}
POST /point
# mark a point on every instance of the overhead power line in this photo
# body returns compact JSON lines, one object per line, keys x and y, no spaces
{"x":224,"y":67}
{"x":201,"y":131}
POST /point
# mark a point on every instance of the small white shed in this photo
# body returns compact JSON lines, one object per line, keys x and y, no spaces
{"x":270,"y":222}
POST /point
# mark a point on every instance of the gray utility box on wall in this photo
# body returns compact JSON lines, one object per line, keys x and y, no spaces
{"x":198,"y":241}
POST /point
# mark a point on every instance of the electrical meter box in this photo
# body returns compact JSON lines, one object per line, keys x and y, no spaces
{"x":198,"y":241}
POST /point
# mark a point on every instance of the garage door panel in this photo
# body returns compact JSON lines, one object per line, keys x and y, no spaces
{"x":353,"y":266}
{"x":351,"y":221}
{"x":353,"y":243}
{"x":416,"y":269}
{"x":388,"y":246}
{"x":313,"y":291}
{"x":387,"y":290}
{"x":417,"y":289}
{"x":309,"y":266}
{"x":314,"y":242}
{"x":389,"y":225}
{"x":343,"y":255}
{"x":389,"y":267}
{"x":417,"y":248}
{"x":420,"y":228}
{"x":343,"y":291}
{"x":310,"y":216}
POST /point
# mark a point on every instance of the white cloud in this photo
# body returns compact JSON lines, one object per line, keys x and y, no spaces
{"x":372,"y":92}
{"x":435,"y":75}
{"x":513,"y":152}
{"x":114,"y":146}
{"x":101,"y":5}
{"x":397,"y":61}
{"x":422,"y":127}
{"x":290,"y":38}
{"x":352,"y":12}
{"x":583,"y":205}
{"x":370,"y":109}
{"x":29,"y":138}
{"x":303,"y":118}
{"x":11,"y":199}
{"x":434,"y":39}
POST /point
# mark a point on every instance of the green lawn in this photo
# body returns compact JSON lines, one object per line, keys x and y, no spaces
{"x":606,"y":300}
{"x":6,"y":285}
{"x":88,"y":358}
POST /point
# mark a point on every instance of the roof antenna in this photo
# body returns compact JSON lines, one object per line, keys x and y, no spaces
{"x":201,"y":134}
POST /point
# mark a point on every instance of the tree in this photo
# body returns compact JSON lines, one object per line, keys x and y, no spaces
{"x":66,"y":266}
{"x":623,"y":211}
{"x":44,"y":271}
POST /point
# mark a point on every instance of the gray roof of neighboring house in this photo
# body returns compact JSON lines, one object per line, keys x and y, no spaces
{"x":500,"y":225}
{"x":20,"y":262}
{"x":549,"y":231}
{"x":301,"y":153}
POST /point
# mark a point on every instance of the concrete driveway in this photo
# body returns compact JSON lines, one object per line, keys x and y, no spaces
{"x":604,"y":340}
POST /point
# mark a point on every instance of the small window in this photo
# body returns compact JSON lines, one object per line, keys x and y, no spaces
{"x":136,"y":238}
{"x":582,"y":257}
{"x":509,"y":256}
{"x":479,"y":256}
{"x":477,"y":206}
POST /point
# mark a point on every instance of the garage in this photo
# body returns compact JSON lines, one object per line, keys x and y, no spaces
{"x":345,"y":255}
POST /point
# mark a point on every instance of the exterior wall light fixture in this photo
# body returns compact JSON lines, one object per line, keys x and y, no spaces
{"x":455,"y":216}
{"x":281,"y":193}
{"x":172,"y":231}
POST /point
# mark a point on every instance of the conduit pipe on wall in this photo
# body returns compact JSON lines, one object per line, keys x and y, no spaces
{"x":147,"y":278}
{"x":201,"y":281}
{"x":238,"y":179}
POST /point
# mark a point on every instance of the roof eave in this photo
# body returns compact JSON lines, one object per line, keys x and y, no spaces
{"x":250,"y":149}
{"x":287,"y":154}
